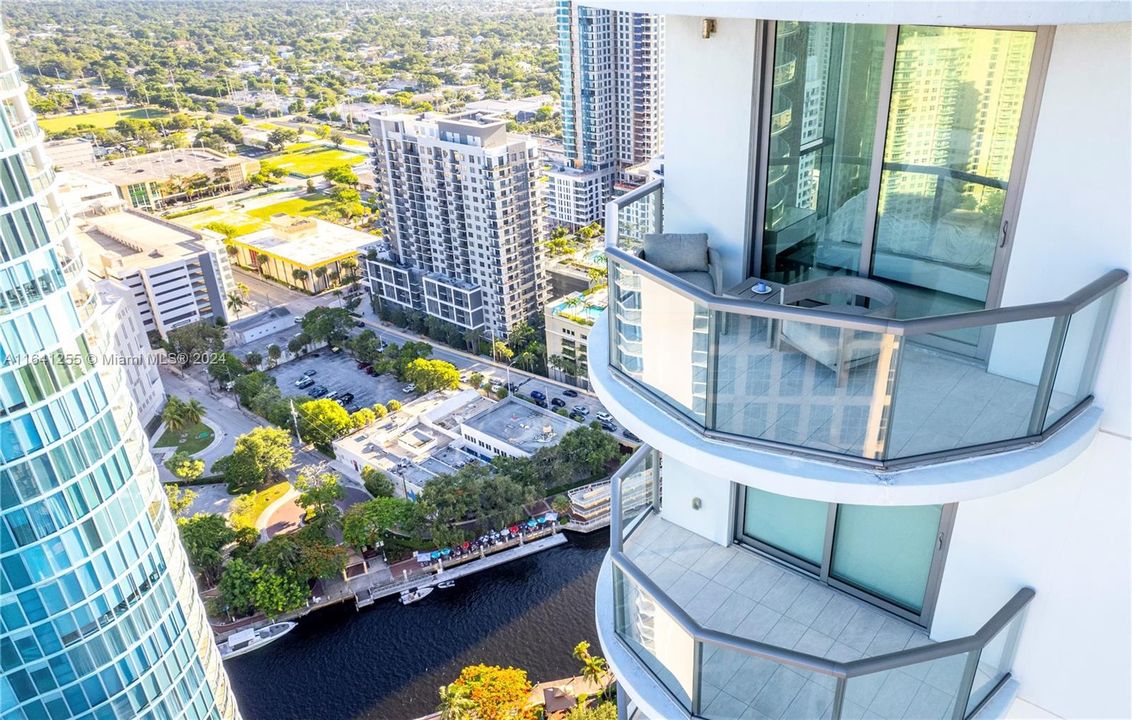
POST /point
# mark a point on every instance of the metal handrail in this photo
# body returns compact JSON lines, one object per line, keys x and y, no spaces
{"x":842,"y":671}
{"x":889,"y":326}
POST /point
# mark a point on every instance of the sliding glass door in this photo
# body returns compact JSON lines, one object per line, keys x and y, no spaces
{"x":890,"y":152}
{"x":890,"y":555}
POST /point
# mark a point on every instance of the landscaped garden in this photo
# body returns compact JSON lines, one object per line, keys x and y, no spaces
{"x":249,"y":220}
{"x":189,"y":439}
{"x":247,"y":508}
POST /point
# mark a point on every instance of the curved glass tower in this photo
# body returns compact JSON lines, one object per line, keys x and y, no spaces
{"x":100,"y":612}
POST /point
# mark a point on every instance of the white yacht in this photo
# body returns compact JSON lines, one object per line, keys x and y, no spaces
{"x":244,"y":641}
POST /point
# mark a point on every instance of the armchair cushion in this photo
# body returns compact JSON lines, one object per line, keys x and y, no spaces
{"x":677,"y":252}
{"x":702,"y":280}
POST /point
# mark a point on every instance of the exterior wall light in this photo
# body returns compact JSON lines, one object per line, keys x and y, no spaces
{"x":708,"y":27}
{"x":697,"y":503}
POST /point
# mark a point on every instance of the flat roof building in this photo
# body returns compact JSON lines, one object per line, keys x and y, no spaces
{"x":130,"y":348}
{"x":514,"y":427}
{"x":155,"y":180}
{"x":178,"y":276}
{"x":307,"y":253}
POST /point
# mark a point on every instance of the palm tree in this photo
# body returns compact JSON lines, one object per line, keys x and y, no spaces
{"x":274,"y":352}
{"x":455,"y":703}
{"x":174,"y":413}
{"x":194,"y":411}
{"x":320,"y":272}
{"x":300,"y":276}
{"x":236,"y":303}
{"x":594,"y":667}
{"x":526,"y":360}
{"x":253,"y":360}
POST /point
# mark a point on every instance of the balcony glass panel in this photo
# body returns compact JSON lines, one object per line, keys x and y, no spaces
{"x":943,"y":402}
{"x":1077,"y":363}
{"x":923,"y":691}
{"x":799,"y":383}
{"x":740,"y":686}
{"x":995,"y":662}
{"x":655,"y":637}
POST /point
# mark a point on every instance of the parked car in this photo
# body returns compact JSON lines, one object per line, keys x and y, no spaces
{"x":335,"y":349}
{"x":581,"y":409}
{"x":304,"y":382}
{"x":630,"y":436}
{"x":344,"y":398}
{"x":608,"y":426}
{"x":513,"y":387}
{"x":604,"y":417}
{"x":411,"y":387}
{"x":495,"y":389}
{"x":558,"y":402}
{"x":309,"y":373}
{"x":317,"y":391}
{"x":359,"y":323}
{"x":570,"y":393}
{"x":575,"y":415}
{"x":538,"y":395}
{"x":299,"y":321}
{"x":540,"y":403}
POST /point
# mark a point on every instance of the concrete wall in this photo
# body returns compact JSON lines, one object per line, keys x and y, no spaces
{"x":1066,"y":536}
{"x":682,"y":484}
{"x":708,"y":97}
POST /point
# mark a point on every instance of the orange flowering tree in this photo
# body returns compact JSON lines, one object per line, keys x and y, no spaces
{"x":488,"y":692}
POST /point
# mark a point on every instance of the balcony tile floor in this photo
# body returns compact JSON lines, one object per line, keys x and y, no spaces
{"x":736,"y":591}
{"x":942,"y":401}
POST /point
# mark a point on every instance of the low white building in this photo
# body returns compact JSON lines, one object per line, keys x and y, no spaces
{"x":129,"y":348}
{"x":514,"y":427}
{"x":177,"y":276}
{"x":575,"y":197}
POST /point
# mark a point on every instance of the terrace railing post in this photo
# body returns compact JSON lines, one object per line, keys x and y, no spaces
{"x":838,"y":698}
{"x":965,"y":685}
{"x":1049,"y":374}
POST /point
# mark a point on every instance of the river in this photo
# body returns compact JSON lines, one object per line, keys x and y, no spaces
{"x":387,"y":661}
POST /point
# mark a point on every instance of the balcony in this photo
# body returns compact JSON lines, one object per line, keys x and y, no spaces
{"x":736,"y":370}
{"x":695,"y":629}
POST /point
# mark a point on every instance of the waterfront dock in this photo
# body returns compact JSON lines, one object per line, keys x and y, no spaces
{"x":369,"y":595}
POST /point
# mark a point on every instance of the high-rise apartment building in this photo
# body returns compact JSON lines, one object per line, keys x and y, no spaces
{"x":873,"y":327}
{"x":611,"y":65}
{"x":461,"y":209}
{"x":100,"y":612}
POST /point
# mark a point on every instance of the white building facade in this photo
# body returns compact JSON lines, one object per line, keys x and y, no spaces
{"x":131,"y":349}
{"x":461,"y":205}
{"x":896,"y":483}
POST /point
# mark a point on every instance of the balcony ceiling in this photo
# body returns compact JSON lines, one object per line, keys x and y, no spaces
{"x":1013,"y":12}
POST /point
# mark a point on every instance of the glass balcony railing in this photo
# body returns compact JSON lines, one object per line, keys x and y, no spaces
{"x":834,"y":381}
{"x":714,"y":674}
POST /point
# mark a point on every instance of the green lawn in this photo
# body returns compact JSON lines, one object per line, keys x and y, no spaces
{"x":306,"y":205}
{"x":102,"y":119}
{"x":245,"y":513}
{"x":192,"y":439}
{"x":249,"y":220}
{"x":309,"y":159}
{"x":359,"y":144}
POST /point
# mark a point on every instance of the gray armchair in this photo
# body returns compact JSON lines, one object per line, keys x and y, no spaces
{"x":687,"y":256}
{"x":839,"y":349}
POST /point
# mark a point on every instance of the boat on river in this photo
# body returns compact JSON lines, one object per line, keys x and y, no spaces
{"x":244,"y":641}
{"x":411,"y":596}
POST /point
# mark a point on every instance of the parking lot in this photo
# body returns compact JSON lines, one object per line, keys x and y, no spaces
{"x":338,"y":372}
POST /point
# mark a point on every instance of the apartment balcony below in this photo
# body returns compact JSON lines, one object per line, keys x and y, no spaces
{"x":842,"y":382}
{"x":698,"y":630}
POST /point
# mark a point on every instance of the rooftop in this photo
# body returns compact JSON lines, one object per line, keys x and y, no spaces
{"x":263,"y":318}
{"x":522,"y":424}
{"x":133,"y":239}
{"x":584,"y":308}
{"x":307,"y":242}
{"x":160,"y":166}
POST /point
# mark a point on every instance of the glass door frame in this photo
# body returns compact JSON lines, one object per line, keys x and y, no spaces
{"x":822,"y":572}
{"x":1035,"y":83}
